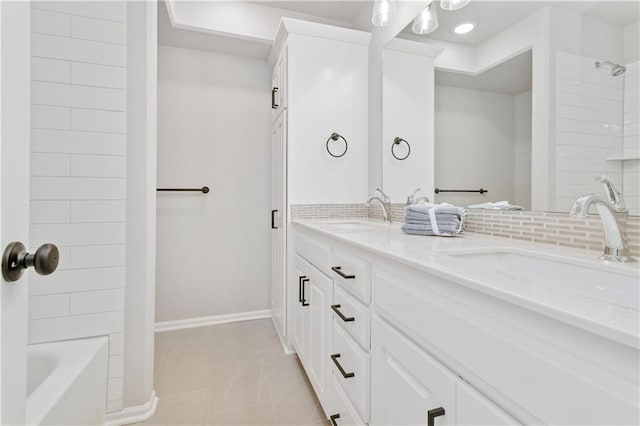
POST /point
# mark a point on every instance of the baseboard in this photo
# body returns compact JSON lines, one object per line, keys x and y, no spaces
{"x":135,"y":414}
{"x":285,"y":346}
{"x":212,"y":320}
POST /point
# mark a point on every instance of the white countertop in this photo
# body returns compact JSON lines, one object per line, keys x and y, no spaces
{"x":605,"y":302}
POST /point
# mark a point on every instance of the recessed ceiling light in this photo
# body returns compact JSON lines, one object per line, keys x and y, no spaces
{"x":464,"y":27}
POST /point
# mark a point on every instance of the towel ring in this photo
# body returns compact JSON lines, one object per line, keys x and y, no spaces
{"x":334,"y":137}
{"x":396,"y":142}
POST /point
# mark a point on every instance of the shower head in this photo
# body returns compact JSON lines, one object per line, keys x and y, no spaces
{"x":616,"y":69}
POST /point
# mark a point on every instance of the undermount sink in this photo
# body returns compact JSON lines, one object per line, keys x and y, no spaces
{"x":585,"y":279}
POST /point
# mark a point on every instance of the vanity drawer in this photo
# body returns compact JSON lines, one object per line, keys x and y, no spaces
{"x":354,"y":363}
{"x":313,"y":251}
{"x":352,"y":315}
{"x":343,"y":413}
{"x":353,"y":274}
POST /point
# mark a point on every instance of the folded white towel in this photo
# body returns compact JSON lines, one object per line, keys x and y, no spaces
{"x":498,"y":205}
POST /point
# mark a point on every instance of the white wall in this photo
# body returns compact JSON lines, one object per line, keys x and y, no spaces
{"x":213,"y":129}
{"x":78,"y":156}
{"x":474,"y":144}
{"x":522,"y":150}
{"x":328,"y":84}
{"x":588,"y":128}
{"x":631,"y":42}
{"x":631,"y":138}
{"x":141,"y":202}
{"x":408,"y":111}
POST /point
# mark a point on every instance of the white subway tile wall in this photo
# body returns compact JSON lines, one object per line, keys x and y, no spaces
{"x":631,"y":138}
{"x":548,"y":228}
{"x":78,"y":148}
{"x":589,"y":127}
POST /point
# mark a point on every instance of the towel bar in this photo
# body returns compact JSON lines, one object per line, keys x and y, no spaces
{"x":481,"y":190}
{"x":204,"y":189}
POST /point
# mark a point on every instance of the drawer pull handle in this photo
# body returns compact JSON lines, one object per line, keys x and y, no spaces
{"x":300,"y":278}
{"x":338,"y":270}
{"x":432,"y":414}
{"x":346,"y":375}
{"x":333,"y":419}
{"x":303,"y":298}
{"x":341,"y":315}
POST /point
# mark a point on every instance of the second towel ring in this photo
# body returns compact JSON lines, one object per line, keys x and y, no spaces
{"x":396,"y":142}
{"x":334,"y":137}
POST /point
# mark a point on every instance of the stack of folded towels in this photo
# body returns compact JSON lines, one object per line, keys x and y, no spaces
{"x":433,"y":219}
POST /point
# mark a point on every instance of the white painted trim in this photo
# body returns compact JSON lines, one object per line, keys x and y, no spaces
{"x":212,"y":320}
{"x":415,"y":47}
{"x":285,"y":345}
{"x":135,"y":414}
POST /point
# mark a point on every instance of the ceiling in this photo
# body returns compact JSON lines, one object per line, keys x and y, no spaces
{"x":336,"y":10}
{"x":199,"y":40}
{"x":494,"y":17}
{"x":511,"y":77}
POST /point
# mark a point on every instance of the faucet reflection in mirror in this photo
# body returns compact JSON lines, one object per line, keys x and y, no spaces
{"x":613,"y":213}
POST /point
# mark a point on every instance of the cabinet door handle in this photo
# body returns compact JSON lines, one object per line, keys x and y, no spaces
{"x":346,"y":375}
{"x":274,"y":105}
{"x":333,"y":419}
{"x":304,"y":299}
{"x":341,"y":315}
{"x":300,"y":278}
{"x":432,"y":414}
{"x":273,"y":219}
{"x":338,"y":270}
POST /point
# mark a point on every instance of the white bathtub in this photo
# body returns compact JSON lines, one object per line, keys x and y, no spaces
{"x":67,"y":382}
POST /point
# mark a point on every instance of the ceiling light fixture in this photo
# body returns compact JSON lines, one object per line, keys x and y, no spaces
{"x":464,"y":27}
{"x":427,"y":21}
{"x":453,"y":4}
{"x":383,"y":12}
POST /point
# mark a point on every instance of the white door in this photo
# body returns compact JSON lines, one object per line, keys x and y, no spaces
{"x":14,"y":202}
{"x":278,"y":224}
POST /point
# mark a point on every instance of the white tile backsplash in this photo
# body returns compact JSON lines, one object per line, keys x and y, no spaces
{"x":98,"y":165}
{"x":70,"y":49}
{"x":88,"y":302}
{"x":97,"y":211}
{"x":74,"y":280}
{"x":46,"y":164}
{"x":96,"y":256}
{"x":71,"y":95}
{"x":76,"y":326}
{"x":50,"y":212}
{"x":54,"y":305}
{"x":77,"y":188}
{"x":67,"y":141}
{"x":98,"y":120}
{"x":78,"y":158}
{"x":43,"y":69}
{"x":47,"y":117}
{"x":97,"y":75}
{"x":47,"y":22}
{"x":596,"y":124}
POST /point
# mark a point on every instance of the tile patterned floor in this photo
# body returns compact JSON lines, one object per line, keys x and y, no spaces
{"x":231,"y":374}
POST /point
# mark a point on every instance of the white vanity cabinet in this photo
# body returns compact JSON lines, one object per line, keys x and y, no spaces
{"x":312,"y":327}
{"x":279,"y":85}
{"x":410,"y":387}
{"x":419,"y":346}
{"x":319,"y":87}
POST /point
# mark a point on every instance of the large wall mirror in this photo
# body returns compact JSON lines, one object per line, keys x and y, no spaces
{"x":531,"y":105}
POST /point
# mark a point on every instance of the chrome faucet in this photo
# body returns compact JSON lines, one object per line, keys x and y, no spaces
{"x":411,"y":199}
{"x":613,"y":214}
{"x":385,"y":203}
